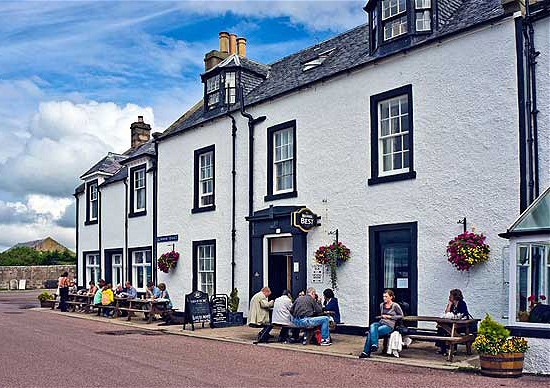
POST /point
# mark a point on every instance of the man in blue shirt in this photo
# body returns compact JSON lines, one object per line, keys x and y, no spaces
{"x":130,"y":291}
{"x":152,"y":291}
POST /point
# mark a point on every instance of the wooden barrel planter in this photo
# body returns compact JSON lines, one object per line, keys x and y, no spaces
{"x":502,"y":365}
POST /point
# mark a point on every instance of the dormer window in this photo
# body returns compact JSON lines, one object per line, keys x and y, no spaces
{"x":213,"y":90}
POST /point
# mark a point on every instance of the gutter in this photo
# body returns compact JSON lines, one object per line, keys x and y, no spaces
{"x":233,"y":199}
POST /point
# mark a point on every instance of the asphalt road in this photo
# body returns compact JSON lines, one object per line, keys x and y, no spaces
{"x":39,"y":349}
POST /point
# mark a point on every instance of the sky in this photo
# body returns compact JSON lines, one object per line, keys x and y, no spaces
{"x":75,"y":75}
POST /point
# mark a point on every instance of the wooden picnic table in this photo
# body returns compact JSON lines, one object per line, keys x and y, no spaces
{"x":82,"y":300}
{"x":458,"y":330}
{"x":146,"y":306}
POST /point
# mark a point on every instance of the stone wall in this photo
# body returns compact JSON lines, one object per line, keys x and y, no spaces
{"x":35,"y":275}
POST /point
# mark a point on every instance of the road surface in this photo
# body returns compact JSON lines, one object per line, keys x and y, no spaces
{"x":39,"y":349}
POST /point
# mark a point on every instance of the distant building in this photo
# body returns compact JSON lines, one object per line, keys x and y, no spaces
{"x":43,"y":245}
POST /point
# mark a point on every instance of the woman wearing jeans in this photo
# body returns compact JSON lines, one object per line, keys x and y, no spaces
{"x":391,"y":312}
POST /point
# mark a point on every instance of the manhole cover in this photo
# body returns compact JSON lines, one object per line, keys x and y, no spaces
{"x":127,"y":332}
{"x":289,"y":374}
{"x":28,"y":306}
{"x":13,"y":312}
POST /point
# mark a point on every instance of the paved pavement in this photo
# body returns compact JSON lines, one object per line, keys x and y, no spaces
{"x":40,"y":349}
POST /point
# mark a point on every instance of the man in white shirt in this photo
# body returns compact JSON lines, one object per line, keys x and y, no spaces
{"x":281,"y":316}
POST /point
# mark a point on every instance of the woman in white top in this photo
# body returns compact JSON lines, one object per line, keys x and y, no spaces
{"x":281,"y":316}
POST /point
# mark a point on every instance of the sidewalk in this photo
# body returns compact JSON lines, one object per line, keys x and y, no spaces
{"x":420,"y":354}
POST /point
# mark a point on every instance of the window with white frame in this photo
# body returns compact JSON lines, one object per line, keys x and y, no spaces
{"x":393,"y":135}
{"x":139,"y":190}
{"x":142,"y":270}
{"x":213,"y":90}
{"x":532,"y":278}
{"x":283,"y":161}
{"x":93,"y":267}
{"x":206,"y":267}
{"x":423,"y":14}
{"x":394,"y":18}
{"x":93,"y":202}
{"x":117,"y":268}
{"x":206,"y":179}
{"x":230,"y":87}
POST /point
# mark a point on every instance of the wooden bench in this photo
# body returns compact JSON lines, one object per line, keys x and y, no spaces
{"x":309,"y":331}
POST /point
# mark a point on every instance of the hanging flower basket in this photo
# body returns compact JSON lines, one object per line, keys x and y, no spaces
{"x":467,"y":250}
{"x":333,"y":256}
{"x":168,"y":261}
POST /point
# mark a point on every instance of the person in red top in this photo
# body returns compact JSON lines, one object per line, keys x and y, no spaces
{"x":64,"y":283}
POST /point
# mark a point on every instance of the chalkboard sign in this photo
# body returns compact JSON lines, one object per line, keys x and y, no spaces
{"x":197,"y":309}
{"x":218,"y":308}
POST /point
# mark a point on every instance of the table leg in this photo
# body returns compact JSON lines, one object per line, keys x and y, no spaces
{"x":150,"y":319}
{"x":130,"y":312}
{"x":451,"y":351}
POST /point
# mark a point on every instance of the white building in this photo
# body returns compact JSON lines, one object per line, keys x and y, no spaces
{"x":114,"y":233}
{"x":390,"y":133}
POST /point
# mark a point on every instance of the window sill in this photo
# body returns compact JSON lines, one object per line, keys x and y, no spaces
{"x":137,"y":214}
{"x":274,"y":197}
{"x":392,"y":178}
{"x":203,"y":209}
{"x":532,"y":332}
{"x":90,"y":222}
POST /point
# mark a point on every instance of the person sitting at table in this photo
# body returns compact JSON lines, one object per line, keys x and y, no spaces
{"x":93,"y":288}
{"x":330,"y":304}
{"x":119,"y":290}
{"x":152,"y":291}
{"x":459,"y":309}
{"x":281,"y":316}
{"x":97,"y":295}
{"x":304,"y":310}
{"x":259,"y":313}
{"x":164,"y":295}
{"x":130,"y":291}
{"x":107,"y":299}
{"x":391,"y":312}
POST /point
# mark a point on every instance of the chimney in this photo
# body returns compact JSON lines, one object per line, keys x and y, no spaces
{"x":232,"y":44}
{"x":241,"y":47}
{"x":140,"y":133}
{"x":224,"y":42}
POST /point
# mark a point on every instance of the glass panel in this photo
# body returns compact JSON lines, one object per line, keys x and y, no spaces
{"x":138,"y":257}
{"x":406,"y":142}
{"x":140,"y":282}
{"x":94,"y":209}
{"x":385,"y":127}
{"x":148,"y":257}
{"x":537,"y":270}
{"x":537,"y":217}
{"x":522,"y":275}
{"x":386,"y":148}
{"x":406,"y":161}
{"x":396,"y":266}
{"x":140,"y":200}
{"x":395,"y":125}
{"x":384,"y":110}
{"x":397,"y":161}
{"x":397,"y":143}
{"x":387,"y":163}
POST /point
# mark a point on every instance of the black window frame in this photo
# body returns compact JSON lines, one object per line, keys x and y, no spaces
{"x":130,"y":264}
{"x":89,"y":221}
{"x":85,"y":266}
{"x":196,"y":245}
{"x":381,"y":23}
{"x":270,"y":132}
{"x":196,"y":189}
{"x":207,"y":106}
{"x":374,"y":101}
{"x":132,"y":171}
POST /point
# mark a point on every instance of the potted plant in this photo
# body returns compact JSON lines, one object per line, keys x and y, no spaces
{"x":168,"y":261}
{"x":46,"y":299}
{"x":499,"y":355}
{"x":234,"y":318}
{"x":467,"y":250}
{"x":333,"y":256}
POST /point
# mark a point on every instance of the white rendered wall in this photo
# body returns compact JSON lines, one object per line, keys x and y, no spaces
{"x":140,"y":229}
{"x":537,"y":358}
{"x":112,"y":216}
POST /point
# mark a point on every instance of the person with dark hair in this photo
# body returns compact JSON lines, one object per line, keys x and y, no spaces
{"x":391,"y":312}
{"x":330,"y":304}
{"x":305,"y":312}
{"x":64,"y":283}
{"x":97,"y":295}
{"x":281,"y":316}
{"x":458,"y":308}
{"x":152,"y":291}
{"x":93,"y":288}
{"x":107,"y":299}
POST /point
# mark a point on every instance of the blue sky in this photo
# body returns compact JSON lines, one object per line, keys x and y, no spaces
{"x":74,"y":75}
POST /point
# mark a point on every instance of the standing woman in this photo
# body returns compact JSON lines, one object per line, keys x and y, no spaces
{"x":391,"y":312}
{"x":64,"y":283}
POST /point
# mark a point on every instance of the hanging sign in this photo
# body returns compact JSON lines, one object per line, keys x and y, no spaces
{"x":304,"y":219}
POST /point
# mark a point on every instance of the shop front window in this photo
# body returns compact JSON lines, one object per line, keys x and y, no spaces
{"x":532,"y":278}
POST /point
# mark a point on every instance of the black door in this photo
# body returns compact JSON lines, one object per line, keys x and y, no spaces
{"x":277,"y":274}
{"x":393,"y":265}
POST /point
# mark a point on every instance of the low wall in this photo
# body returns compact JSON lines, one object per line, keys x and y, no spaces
{"x":35,"y":275}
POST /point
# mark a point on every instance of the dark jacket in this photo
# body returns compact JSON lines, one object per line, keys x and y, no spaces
{"x":332,"y":305}
{"x":460,"y":308}
{"x":305,"y":307}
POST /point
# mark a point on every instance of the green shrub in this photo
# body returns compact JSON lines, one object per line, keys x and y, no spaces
{"x":45,"y":296}
{"x":493,"y":330}
{"x":493,"y":339}
{"x":234,"y":301}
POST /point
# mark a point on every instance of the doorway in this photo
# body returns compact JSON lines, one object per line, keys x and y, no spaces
{"x":279,"y":266}
{"x":393,"y":265}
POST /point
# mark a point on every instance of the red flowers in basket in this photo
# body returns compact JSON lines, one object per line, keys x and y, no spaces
{"x":168,"y":261}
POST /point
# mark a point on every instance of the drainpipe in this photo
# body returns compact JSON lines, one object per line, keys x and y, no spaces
{"x":251,"y":124}
{"x":528,"y":104}
{"x":233,"y":204}
{"x":78,"y":279}
{"x":99,"y":233}
{"x":126,"y":231}
{"x":532,"y":61}
{"x":154,"y":162}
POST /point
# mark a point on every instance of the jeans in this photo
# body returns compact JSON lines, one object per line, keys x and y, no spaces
{"x":376,"y":330}
{"x":314,"y":321}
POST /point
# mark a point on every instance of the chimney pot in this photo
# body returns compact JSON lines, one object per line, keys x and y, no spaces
{"x":241,"y":47}
{"x":232,"y":44}
{"x":224,"y":42}
{"x":140,"y":133}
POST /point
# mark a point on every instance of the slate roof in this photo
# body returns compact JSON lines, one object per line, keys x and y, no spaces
{"x":146,"y":149}
{"x":110,"y":164}
{"x":351,"y":50}
{"x":119,"y":176}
